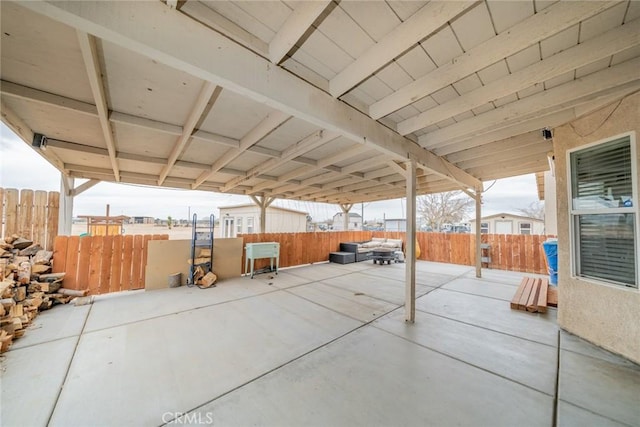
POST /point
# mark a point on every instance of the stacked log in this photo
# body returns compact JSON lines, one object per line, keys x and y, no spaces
{"x":26,"y":286}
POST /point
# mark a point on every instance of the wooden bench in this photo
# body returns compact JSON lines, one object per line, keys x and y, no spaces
{"x":532,"y":295}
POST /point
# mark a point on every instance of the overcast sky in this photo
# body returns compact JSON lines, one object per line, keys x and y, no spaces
{"x":21,"y":167}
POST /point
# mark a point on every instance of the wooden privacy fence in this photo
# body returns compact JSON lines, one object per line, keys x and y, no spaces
{"x":508,"y":252}
{"x":103,"y":264}
{"x":30,"y":214}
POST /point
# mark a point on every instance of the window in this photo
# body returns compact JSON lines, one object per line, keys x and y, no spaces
{"x":525,"y":228}
{"x":484,"y":227}
{"x":250,"y":225}
{"x":239,"y":225}
{"x":604,"y":213}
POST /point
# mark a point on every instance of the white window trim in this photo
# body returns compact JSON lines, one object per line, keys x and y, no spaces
{"x":573,"y":212}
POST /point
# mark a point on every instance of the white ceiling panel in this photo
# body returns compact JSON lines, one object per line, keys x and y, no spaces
{"x":473,"y":27}
{"x":205,"y":152}
{"x":531,"y":90}
{"x":593,"y":67}
{"x":558,"y":80}
{"x":41,"y":53}
{"x":394,"y":76}
{"x":524,"y":58}
{"x":342,"y":30}
{"x":504,"y":100}
{"x":506,"y":14}
{"x":237,"y":15}
{"x":270,"y":13}
{"x":143,"y":87}
{"x":602,"y":22}
{"x":483,"y":108}
{"x":404,"y":9}
{"x":377,"y":19}
{"x":625,"y":55}
{"x":633,"y":11}
{"x":493,"y":72}
{"x":416,"y":62}
{"x":233,"y":116}
{"x":425,"y":103}
{"x":318,"y":46}
{"x":467,"y":84}
{"x":445,"y":94}
{"x":560,"y":41}
{"x":289,"y":133}
{"x":442,"y":46}
{"x":136,"y":140}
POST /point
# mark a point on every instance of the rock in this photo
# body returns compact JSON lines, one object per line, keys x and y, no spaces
{"x":22,"y":243}
{"x":31,"y":250}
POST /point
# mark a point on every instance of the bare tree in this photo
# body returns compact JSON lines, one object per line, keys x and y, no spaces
{"x":442,"y":208}
{"x":534,"y":210}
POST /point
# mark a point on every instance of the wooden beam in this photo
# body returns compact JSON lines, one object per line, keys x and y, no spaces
{"x":592,"y":50}
{"x":212,"y":19}
{"x":548,"y":101}
{"x":261,"y":130}
{"x":83,"y":187}
{"x":305,"y":145}
{"x":543,"y":24}
{"x":147,"y":28}
{"x":424,"y":22}
{"x":298,"y":22}
{"x":208,"y":94}
{"x":94,"y":73}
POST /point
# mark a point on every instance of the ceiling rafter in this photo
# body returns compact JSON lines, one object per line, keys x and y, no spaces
{"x":261,"y":130}
{"x":298,"y":22}
{"x":208,"y":95}
{"x":543,"y":24}
{"x":548,"y":101}
{"x":592,"y":50}
{"x":311,"y":142}
{"x":89,"y":52}
{"x":423,"y":23}
{"x":147,"y":29}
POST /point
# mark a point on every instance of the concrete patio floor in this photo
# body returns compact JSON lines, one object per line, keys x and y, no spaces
{"x":322,"y":345}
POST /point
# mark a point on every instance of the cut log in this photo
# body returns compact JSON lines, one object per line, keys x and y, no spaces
{"x":73,"y":292}
{"x":7,"y":303}
{"x":208,"y":280}
{"x":17,"y":310}
{"x":199,"y":260}
{"x":30,"y":251}
{"x":205,"y":253}
{"x":40,"y":268}
{"x":43,"y":257}
{"x":24,"y":272}
{"x":52,"y":277}
{"x":21,"y":243}
{"x":20,"y":293}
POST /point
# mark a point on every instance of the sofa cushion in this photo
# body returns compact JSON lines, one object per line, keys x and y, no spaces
{"x":378,"y":239}
{"x":396,"y":242}
{"x":370,"y":244}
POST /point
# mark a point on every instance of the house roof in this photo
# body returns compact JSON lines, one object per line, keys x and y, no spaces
{"x":508,"y":215}
{"x":351,"y":215}
{"x":250,"y":205}
{"x":317,"y":101}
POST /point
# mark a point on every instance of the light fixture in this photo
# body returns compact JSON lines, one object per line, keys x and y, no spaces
{"x":547,"y":134}
{"x":39,"y":141}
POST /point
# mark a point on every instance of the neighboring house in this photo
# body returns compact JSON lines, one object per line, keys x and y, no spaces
{"x":142,"y":220}
{"x":245,"y":219}
{"x":355,"y":221}
{"x":395,"y":224}
{"x":505,"y":223}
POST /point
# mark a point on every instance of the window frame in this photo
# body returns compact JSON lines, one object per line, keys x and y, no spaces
{"x":529,"y":228}
{"x":250,"y":228}
{"x":574,"y":214}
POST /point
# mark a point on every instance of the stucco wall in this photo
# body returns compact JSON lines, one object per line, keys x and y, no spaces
{"x":606,"y":315}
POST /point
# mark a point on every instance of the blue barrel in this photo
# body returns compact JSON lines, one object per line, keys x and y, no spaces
{"x":551,"y":252}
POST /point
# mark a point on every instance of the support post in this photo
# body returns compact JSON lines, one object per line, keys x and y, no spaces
{"x":65,"y":213}
{"x":345,"y":214}
{"x":410,"y":276}
{"x":478,"y":199}
{"x":263,"y":202}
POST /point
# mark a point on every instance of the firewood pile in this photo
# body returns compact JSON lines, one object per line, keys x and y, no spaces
{"x":27,"y":286}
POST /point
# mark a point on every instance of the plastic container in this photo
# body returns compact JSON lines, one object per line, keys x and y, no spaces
{"x":551,"y":252}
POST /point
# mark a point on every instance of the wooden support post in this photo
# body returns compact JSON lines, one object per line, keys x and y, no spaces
{"x":65,"y":213}
{"x":410,"y":276}
{"x":345,"y":215}
{"x":478,"y":199}
{"x":263,"y":202}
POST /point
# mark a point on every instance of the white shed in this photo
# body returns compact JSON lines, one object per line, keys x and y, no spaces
{"x":355,"y":221}
{"x":506,"y":223}
{"x":245,"y":219}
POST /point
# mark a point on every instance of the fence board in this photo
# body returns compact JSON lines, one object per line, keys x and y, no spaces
{"x":116,"y":264}
{"x":53,"y":207}
{"x":60,"y":255}
{"x":84,"y":257}
{"x":40,"y":218}
{"x":105,"y":264}
{"x":136,"y":282}
{"x":97,"y":244}
{"x":145,"y":245}
{"x":71,"y":263}
{"x":11,"y":211}
{"x":25,"y":214}
{"x":127,"y":259}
